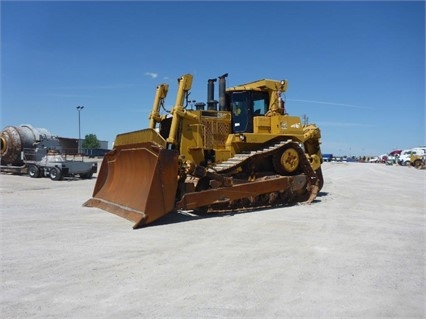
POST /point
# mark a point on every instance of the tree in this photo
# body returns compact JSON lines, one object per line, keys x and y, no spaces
{"x":91,"y":141}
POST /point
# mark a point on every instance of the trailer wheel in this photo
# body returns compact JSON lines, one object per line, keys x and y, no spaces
{"x":55,"y":174}
{"x":33,"y":171}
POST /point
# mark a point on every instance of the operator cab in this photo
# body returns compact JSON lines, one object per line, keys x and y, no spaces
{"x":244,"y":105}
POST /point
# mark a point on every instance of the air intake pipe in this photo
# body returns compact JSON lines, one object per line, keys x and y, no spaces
{"x":14,"y":139}
{"x":211,"y":103}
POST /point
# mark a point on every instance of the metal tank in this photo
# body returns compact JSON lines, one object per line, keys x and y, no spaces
{"x":14,"y":139}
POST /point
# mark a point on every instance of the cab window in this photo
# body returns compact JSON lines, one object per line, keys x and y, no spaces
{"x":260,"y":103}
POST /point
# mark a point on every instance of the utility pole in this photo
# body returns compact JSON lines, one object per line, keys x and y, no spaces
{"x":79,"y":108}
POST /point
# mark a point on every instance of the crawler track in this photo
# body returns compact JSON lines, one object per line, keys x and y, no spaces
{"x":255,"y":189}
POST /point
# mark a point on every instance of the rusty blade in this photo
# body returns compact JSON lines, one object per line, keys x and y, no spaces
{"x":137,"y":182}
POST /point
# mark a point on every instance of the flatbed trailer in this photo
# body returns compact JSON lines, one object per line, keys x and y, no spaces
{"x":46,"y":160}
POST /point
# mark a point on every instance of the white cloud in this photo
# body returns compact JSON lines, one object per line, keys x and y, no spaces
{"x":151,"y":74}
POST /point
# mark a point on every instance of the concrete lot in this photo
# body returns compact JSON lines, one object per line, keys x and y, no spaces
{"x":358,"y":252}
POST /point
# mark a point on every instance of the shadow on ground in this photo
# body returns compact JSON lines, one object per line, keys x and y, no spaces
{"x":189,"y":216}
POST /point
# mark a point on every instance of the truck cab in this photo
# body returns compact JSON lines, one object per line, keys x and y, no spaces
{"x":405,"y":157}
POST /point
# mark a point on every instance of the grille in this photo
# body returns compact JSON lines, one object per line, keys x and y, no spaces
{"x":215,"y":133}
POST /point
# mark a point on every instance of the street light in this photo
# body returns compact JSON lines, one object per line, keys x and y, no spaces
{"x":79,"y":108}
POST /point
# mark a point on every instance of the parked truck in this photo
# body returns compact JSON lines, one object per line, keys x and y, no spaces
{"x":27,"y":150}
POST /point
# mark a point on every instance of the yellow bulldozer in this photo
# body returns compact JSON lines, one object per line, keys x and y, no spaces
{"x":239,"y":153}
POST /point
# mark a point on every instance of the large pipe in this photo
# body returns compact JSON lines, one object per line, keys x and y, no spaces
{"x":222,"y":90}
{"x":14,"y":139}
{"x":211,"y":103}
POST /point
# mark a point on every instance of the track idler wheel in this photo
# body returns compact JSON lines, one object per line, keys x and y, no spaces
{"x":286,"y":162}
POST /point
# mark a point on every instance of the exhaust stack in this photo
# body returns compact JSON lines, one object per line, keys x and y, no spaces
{"x":222,"y":90}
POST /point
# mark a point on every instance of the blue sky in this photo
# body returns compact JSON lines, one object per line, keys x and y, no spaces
{"x":356,"y":69}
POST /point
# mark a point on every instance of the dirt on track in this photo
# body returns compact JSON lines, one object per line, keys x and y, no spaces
{"x":357,"y":251}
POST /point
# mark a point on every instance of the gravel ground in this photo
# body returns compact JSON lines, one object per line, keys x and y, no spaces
{"x":357,"y":252}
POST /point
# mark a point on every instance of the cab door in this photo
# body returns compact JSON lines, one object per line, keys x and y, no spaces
{"x":242,"y":109}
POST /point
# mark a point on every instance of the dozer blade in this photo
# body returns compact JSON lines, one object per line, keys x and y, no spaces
{"x":138,"y":182}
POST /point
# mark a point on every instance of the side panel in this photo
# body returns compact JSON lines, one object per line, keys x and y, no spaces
{"x":210,"y":132}
{"x":191,"y":141}
{"x":262,"y":124}
{"x":287,"y":125}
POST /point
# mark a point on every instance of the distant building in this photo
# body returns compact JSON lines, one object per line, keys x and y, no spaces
{"x":95,"y":152}
{"x":70,"y":145}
